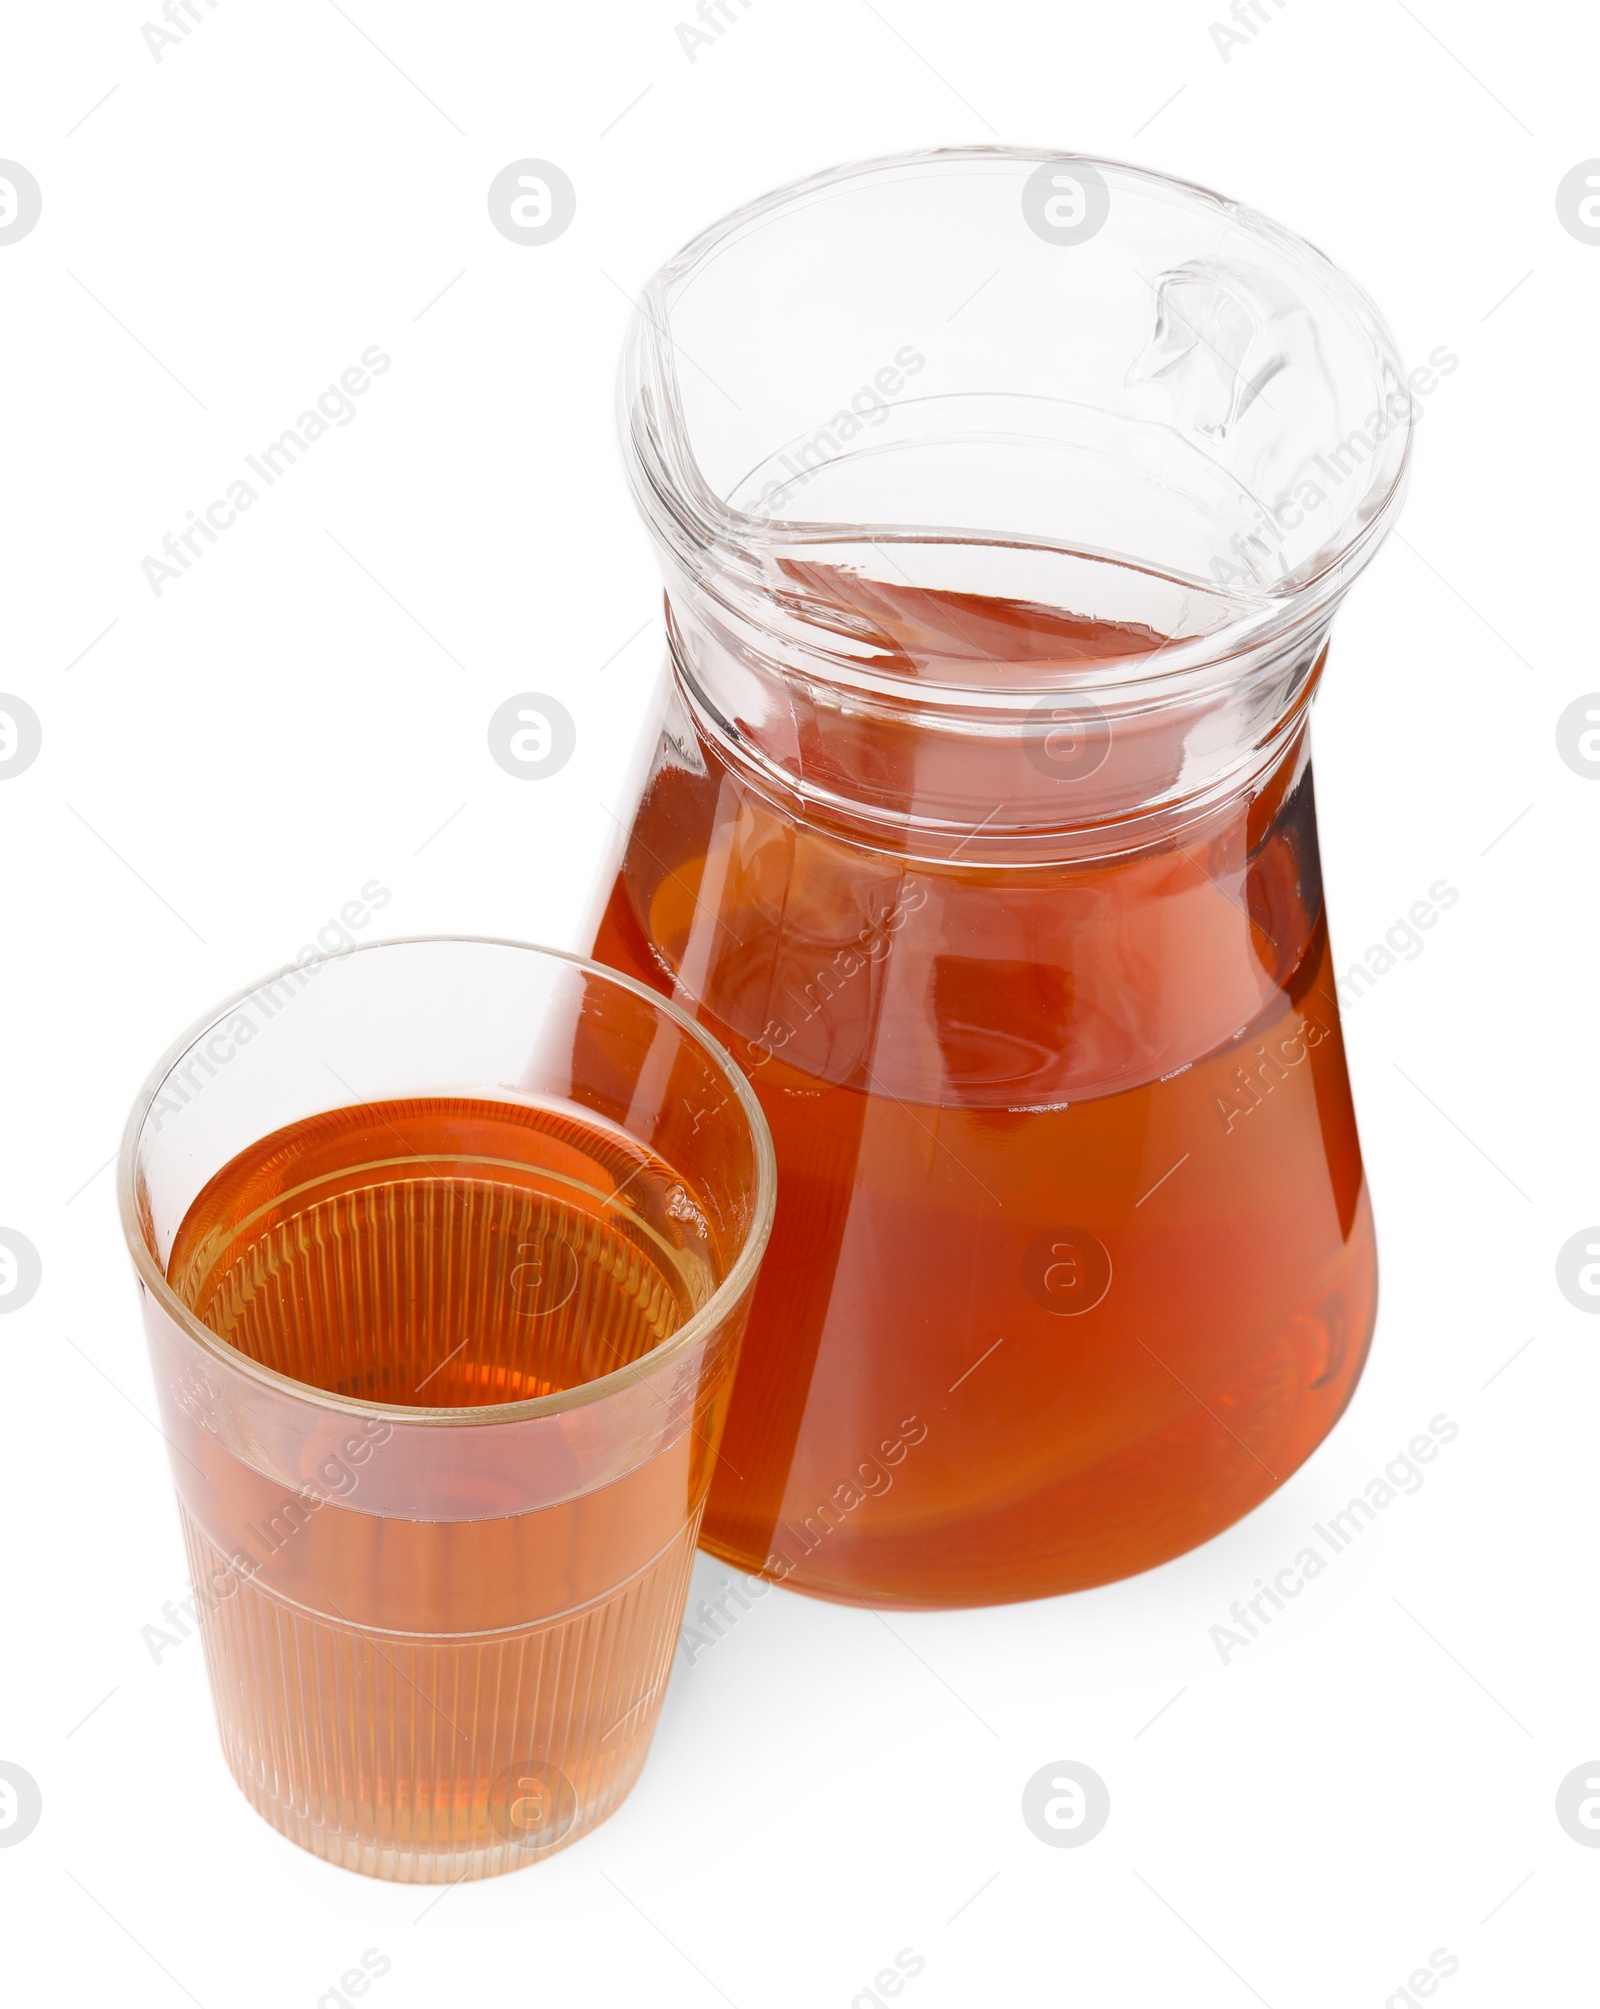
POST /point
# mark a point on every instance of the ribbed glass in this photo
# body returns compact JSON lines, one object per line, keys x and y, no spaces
{"x":444,"y":1262}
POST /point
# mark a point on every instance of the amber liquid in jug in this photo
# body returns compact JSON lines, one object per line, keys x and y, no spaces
{"x":1073,"y":1261}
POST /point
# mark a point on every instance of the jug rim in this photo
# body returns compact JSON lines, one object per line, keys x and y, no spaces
{"x":735,"y":557}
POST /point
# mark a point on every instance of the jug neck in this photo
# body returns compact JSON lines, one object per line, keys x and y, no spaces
{"x":953,"y":725}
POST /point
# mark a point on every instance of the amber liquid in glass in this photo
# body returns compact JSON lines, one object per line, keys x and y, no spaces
{"x":427,"y":1698}
{"x":1073,"y":1261}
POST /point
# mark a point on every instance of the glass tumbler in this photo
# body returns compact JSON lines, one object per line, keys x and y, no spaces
{"x":444,"y":1249}
{"x":1004,"y":500}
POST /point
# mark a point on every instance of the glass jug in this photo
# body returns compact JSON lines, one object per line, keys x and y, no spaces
{"x":1004,"y":500}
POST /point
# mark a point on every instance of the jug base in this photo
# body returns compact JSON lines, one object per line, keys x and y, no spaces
{"x":1126,"y":1514}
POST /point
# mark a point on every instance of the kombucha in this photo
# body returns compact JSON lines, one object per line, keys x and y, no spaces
{"x":432,"y":1699}
{"x":1073,"y":1261}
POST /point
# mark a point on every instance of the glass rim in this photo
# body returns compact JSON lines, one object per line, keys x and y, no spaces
{"x":725,"y":550}
{"x":741,"y":1272}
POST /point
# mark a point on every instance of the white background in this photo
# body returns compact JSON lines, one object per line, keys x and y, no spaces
{"x":224,"y":767}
